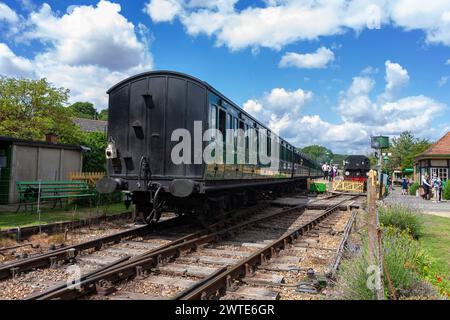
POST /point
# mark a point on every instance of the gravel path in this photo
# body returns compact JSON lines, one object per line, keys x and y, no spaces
{"x":426,"y":206}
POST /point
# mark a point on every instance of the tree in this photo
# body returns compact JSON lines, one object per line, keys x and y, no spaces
{"x":83,"y":110}
{"x":29,"y":109}
{"x":103,"y":115}
{"x":404,"y":149}
{"x":95,"y":159}
{"x":318,"y":153}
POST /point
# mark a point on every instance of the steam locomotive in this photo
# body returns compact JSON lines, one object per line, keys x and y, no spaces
{"x":356,"y":168}
{"x":157,"y":118}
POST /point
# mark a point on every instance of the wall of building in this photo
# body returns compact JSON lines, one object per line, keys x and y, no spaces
{"x":32,"y":163}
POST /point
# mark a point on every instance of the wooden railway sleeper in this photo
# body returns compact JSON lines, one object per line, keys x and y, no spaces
{"x":104,"y":287}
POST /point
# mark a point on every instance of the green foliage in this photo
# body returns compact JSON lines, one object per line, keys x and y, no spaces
{"x":94,"y":160}
{"x":404,"y":149}
{"x":406,"y":262}
{"x":446,"y":191}
{"x":413,"y":188}
{"x":103,"y":115}
{"x":403,"y":218}
{"x":29,"y":109}
{"x":408,"y":265}
{"x":352,"y":277}
{"x":318,"y":153}
{"x":83,"y":110}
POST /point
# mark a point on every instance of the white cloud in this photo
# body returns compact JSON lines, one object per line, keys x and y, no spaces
{"x":277,"y":103}
{"x":317,"y":60}
{"x":281,"y":22}
{"x":90,"y":35}
{"x":361,"y":115}
{"x":7,"y":14}
{"x":355,"y":104}
{"x":396,"y":77}
{"x":443,"y":81}
{"x":12,"y":65}
{"x":447,"y":62}
{"x":433,"y":17}
{"x":162,"y":10}
{"x":86,"y":50}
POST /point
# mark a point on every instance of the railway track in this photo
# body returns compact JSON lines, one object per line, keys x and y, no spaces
{"x":44,"y":270}
{"x":24,"y":233}
{"x":200,"y":265}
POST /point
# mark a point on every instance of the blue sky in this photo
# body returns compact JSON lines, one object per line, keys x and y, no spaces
{"x":328,"y":72}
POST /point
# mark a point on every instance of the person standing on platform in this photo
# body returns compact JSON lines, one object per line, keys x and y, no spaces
{"x":325,"y":171}
{"x":404,"y":186}
{"x":426,"y":186}
{"x":436,"y":183}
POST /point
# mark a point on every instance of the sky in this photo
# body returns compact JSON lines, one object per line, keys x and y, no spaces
{"x":329,"y":72}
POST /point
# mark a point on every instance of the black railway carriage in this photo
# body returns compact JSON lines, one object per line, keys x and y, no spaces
{"x":146,"y":110}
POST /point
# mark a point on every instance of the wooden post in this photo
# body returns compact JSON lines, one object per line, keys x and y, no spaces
{"x":373,"y":233}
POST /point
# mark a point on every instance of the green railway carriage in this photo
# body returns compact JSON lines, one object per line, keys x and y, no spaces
{"x":145,"y":112}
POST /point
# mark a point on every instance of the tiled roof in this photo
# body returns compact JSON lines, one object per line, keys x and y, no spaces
{"x":88,"y":125}
{"x":37,"y":143}
{"x":441,"y":147}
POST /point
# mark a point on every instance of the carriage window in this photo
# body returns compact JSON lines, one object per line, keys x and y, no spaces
{"x":213,"y":119}
{"x":222,"y":121}
{"x":229,"y":125}
{"x":269,"y":144}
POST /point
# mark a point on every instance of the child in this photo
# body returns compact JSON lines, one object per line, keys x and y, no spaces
{"x":404,"y":186}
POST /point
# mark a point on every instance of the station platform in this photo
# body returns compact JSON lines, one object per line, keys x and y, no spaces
{"x":426,"y":206}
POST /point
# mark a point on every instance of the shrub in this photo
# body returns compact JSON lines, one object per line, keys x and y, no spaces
{"x":413,"y":188}
{"x":405,"y":261}
{"x":446,"y":191}
{"x":404,"y":218}
{"x":352,"y":277}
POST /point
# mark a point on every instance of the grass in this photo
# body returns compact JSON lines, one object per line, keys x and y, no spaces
{"x":436,"y":241}
{"x":10,"y":220}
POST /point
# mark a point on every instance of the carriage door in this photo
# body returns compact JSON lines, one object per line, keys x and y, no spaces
{"x":5,"y":172}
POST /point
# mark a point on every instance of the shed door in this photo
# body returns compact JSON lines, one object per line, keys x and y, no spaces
{"x":5,"y":172}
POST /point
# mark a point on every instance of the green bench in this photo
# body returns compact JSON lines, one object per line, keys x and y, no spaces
{"x":33,"y":192}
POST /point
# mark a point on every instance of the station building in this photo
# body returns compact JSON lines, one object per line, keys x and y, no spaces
{"x":435,"y":160}
{"x":26,"y":160}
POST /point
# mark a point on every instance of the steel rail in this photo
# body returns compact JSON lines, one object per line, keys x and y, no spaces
{"x":121,"y":262}
{"x":153,"y":258}
{"x":246,"y":266}
{"x":339,"y":252}
{"x":67,"y":253}
{"x":52,"y":228}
